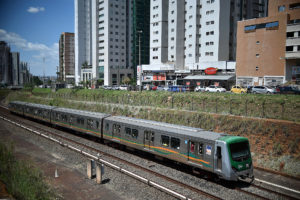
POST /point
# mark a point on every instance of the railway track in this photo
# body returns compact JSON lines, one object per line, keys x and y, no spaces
{"x":136,"y":166}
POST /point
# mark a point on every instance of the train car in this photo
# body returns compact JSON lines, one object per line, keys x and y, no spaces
{"x":80,"y":121}
{"x":226,"y":156}
{"x":17,"y":107}
{"x":38,"y":112}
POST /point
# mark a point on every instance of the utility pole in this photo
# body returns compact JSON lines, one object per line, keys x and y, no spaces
{"x":44,"y":70}
{"x":140,"y":72}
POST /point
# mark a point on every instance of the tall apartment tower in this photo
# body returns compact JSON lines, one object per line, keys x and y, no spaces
{"x":139,"y":28}
{"x":66,"y":57}
{"x":190,"y":33}
{"x":105,"y":39}
{"x":159,"y":31}
{"x":5,"y":63}
{"x":15,"y":63}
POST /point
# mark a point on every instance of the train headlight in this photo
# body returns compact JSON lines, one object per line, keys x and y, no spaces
{"x":247,"y":165}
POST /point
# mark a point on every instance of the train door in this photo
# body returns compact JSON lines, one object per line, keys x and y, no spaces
{"x":116,"y":133}
{"x":148,"y":139}
{"x":195,"y":151}
{"x":219,"y":158}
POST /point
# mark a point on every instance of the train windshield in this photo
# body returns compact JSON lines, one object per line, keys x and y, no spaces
{"x":240,"y":151}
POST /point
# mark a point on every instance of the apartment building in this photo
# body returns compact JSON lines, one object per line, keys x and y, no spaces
{"x":15,"y":64}
{"x":268,"y":49}
{"x":106,"y":34}
{"x":5,"y":63}
{"x":187,"y":37}
{"x":66,"y":58}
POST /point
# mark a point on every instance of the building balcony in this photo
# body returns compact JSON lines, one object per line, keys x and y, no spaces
{"x":292,"y":54}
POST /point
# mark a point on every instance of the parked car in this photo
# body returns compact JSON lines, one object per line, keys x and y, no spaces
{"x":154,"y":88}
{"x":263,"y":90}
{"x":238,"y":89}
{"x":213,"y":88}
{"x":288,"y":90}
{"x":162,"y":88}
{"x":123,"y":87}
{"x":115,"y":87}
{"x":106,"y":87}
{"x":200,"y":88}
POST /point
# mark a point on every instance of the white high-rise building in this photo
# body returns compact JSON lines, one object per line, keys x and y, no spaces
{"x":158,"y":31}
{"x":198,"y":31}
{"x":101,"y":36}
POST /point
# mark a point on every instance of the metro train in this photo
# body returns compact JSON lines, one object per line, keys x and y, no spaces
{"x":227,"y":157}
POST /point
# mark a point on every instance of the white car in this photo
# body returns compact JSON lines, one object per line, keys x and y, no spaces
{"x":213,"y":88}
{"x":200,"y":89}
{"x":123,"y":87}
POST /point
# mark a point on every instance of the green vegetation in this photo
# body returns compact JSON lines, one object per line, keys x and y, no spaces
{"x":265,"y":106}
{"x":22,"y":180}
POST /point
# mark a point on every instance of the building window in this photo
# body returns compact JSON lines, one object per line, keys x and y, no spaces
{"x":257,"y":55}
{"x":294,"y":6}
{"x":256,"y":68}
{"x":289,"y":48}
{"x":257,"y":42}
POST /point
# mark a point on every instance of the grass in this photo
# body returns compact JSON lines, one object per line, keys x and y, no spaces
{"x":22,"y":180}
{"x":250,"y":105}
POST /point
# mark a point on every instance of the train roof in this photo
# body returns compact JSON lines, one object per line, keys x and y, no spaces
{"x":170,"y":128}
{"x":18,"y":102}
{"x":40,"y":106}
{"x":82,"y":112}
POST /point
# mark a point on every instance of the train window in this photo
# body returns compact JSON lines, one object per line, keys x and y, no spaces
{"x":90,"y":123}
{"x":107,"y":126}
{"x":192,"y":147}
{"x":116,"y":128}
{"x":135,"y":133}
{"x":165,"y":140}
{"x":71,"y":119}
{"x":175,"y":143}
{"x":200,"y":148}
{"x":128,"y":131}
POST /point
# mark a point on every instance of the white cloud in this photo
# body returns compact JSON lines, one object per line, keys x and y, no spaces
{"x":36,"y":51}
{"x":35,"y":9}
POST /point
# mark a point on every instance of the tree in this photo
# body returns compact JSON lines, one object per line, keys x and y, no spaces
{"x":126,"y":80}
{"x":37,"y":80}
{"x":100,"y":82}
{"x":85,"y":65}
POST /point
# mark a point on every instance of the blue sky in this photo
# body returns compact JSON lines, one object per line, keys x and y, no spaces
{"x":33,"y":28}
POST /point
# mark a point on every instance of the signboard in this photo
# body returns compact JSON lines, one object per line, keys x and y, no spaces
{"x":210,"y":70}
{"x":188,"y":83}
{"x":198,"y":83}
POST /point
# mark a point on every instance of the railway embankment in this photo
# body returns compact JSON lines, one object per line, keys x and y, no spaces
{"x":271,"y":122}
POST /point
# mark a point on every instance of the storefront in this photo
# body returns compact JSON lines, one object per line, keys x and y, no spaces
{"x":225,"y":81}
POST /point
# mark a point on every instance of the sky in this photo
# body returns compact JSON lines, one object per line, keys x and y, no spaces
{"x":33,"y":28}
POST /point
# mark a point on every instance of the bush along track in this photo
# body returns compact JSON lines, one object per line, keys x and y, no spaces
{"x":273,"y":142}
{"x":22,"y":180}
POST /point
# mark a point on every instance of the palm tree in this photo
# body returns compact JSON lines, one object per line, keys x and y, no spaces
{"x":85,"y":65}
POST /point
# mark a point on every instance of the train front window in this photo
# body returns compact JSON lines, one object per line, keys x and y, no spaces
{"x":240,"y":151}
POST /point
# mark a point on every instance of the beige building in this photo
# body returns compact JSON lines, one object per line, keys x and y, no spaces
{"x":66,"y":58}
{"x":268,"y":49}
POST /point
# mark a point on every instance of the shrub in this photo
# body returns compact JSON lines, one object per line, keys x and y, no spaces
{"x":22,"y":180}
